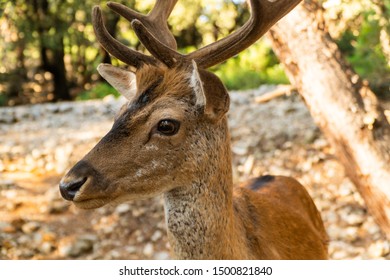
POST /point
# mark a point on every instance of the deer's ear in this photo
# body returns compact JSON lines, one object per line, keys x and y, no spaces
{"x":211,"y":95}
{"x":122,"y":80}
{"x":197,"y":85}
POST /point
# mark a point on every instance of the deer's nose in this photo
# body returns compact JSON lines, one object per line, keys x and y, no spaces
{"x":69,"y":189}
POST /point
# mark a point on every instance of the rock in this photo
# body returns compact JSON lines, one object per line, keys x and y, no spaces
{"x":310,"y":136}
{"x":371,"y":227}
{"x":76,"y":246}
{"x":137,"y":212}
{"x":114,"y":254}
{"x":379,"y":249}
{"x":350,"y":234}
{"x":248,"y":165}
{"x":7,"y":227}
{"x":8,"y":118}
{"x":46,"y":248}
{"x":122,"y":208}
{"x":36,"y":237}
{"x":353,"y":215}
{"x":156,"y":236}
{"x":131,"y":249}
{"x":161,"y":256}
{"x":30,"y":227}
{"x":240,"y":150}
{"x":338,"y":250}
{"x":320,"y":143}
{"x":49,"y":236}
{"x":139,"y":236}
{"x":26,"y":253}
{"x":6,"y":184}
{"x":306,"y":166}
{"x":340,"y":254}
{"x":24,"y":240}
{"x":148,"y":250}
{"x":64,"y":107}
{"x":346,"y":188}
{"x":57,"y":207}
{"x":334,"y":232}
{"x":277,"y":137}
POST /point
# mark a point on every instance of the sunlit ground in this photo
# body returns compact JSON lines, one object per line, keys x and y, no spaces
{"x":39,"y":143}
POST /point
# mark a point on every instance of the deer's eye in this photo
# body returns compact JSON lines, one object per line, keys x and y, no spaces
{"x":168,"y":127}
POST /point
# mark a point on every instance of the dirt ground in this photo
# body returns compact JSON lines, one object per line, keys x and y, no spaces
{"x":38,"y":143}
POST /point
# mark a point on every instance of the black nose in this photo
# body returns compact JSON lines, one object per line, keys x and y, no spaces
{"x":69,"y":189}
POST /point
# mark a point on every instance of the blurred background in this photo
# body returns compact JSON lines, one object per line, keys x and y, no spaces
{"x":48,"y":50}
{"x":54,"y":107}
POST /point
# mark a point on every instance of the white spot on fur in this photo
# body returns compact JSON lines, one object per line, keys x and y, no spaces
{"x":139,"y":173}
{"x":145,"y":171}
{"x":151,"y":148}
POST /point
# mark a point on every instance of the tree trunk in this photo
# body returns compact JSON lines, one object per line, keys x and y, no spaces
{"x":341,"y":104}
{"x":52,"y":52}
{"x":52,"y":60}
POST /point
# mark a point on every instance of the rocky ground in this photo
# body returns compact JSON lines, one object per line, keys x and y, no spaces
{"x":39,"y":143}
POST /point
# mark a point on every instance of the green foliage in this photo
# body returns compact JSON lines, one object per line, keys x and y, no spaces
{"x":367,"y":57}
{"x":3,"y":99}
{"x":31,"y":28}
{"x":362,"y":31}
{"x":251,"y":68}
{"x":99,"y":91}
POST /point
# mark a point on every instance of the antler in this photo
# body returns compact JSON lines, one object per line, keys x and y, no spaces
{"x":155,"y":21}
{"x":115,"y":47}
{"x":264,"y":14}
{"x":154,"y":34}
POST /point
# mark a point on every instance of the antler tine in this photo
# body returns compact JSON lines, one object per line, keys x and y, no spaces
{"x":113,"y":46}
{"x":162,"y":9}
{"x":264,"y":14}
{"x":159,"y":50}
{"x":155,"y":21}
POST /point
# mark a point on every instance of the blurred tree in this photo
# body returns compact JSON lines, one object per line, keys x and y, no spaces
{"x":47,"y":36}
{"x":56,"y":36}
{"x":54,"y":39}
{"x":51,"y":31}
{"x":340,"y":102}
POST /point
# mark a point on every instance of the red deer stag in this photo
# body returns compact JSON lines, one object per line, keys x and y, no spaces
{"x":172,"y":138}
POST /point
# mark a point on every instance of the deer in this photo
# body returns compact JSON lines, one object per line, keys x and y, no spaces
{"x":171,"y":138}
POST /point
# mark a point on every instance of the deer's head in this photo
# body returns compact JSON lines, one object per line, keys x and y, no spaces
{"x":174,"y":121}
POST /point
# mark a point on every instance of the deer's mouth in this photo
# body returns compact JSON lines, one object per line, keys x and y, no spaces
{"x":90,"y":203}
{"x":87,"y":199}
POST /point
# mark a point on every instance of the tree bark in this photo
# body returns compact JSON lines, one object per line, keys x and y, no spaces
{"x":52,"y":60}
{"x":342,"y":105}
{"x":52,"y":54}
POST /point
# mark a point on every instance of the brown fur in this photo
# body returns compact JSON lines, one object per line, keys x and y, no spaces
{"x":206,"y":217}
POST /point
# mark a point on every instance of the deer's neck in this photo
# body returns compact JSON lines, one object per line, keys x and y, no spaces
{"x":200,"y":216}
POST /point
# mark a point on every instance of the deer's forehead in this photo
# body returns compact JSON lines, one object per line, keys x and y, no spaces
{"x":159,"y":88}
{"x":148,"y":75}
{"x":151,"y":102}
{"x":164,"y":81}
